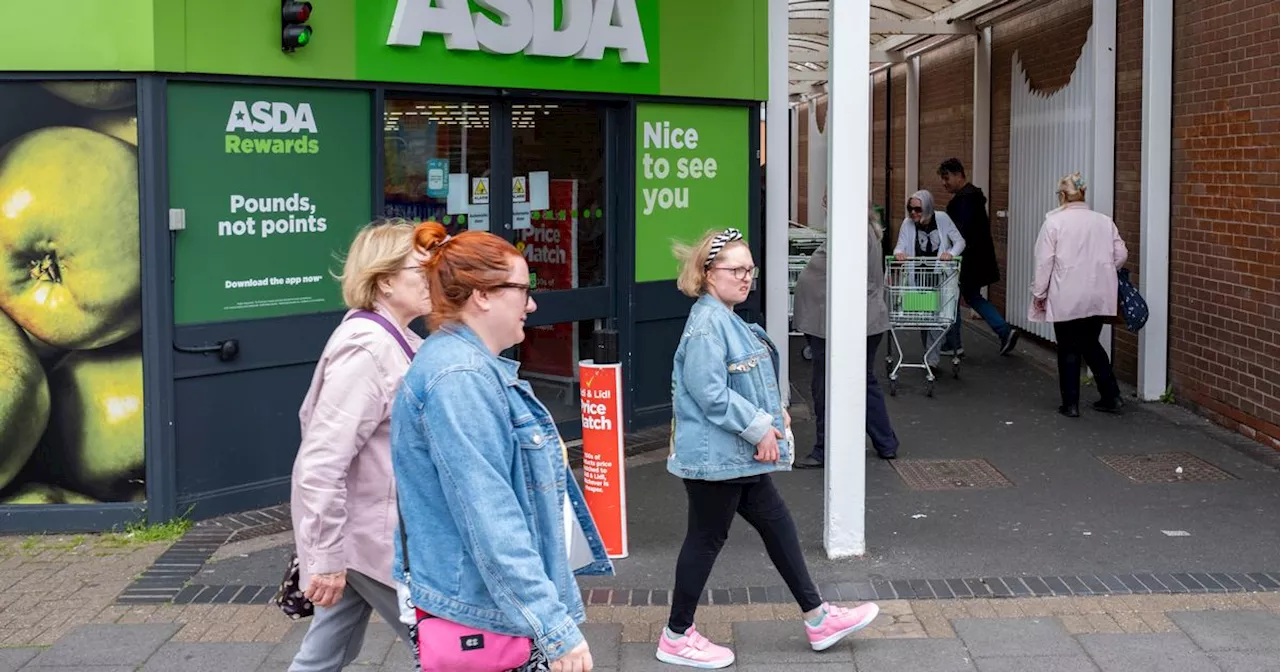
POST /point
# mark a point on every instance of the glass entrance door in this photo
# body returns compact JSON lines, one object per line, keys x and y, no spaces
{"x":537,"y":173}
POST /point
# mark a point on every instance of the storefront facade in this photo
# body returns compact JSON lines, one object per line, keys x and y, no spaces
{"x":175,"y":189}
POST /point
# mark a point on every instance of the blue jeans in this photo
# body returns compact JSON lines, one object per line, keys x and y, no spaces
{"x":986,"y":309}
{"x":879,"y":428}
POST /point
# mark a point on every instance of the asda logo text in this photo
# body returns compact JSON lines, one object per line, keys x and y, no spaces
{"x":248,"y":121}
{"x":586,"y":27}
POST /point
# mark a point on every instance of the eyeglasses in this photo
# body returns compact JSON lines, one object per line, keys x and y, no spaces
{"x":516,"y":285}
{"x":741,"y":272}
{"x":915,"y":209}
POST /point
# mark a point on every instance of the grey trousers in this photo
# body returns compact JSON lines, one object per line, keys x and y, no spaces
{"x":336,"y":634}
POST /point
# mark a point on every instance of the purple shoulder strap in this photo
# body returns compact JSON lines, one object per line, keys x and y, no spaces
{"x":391,"y":329}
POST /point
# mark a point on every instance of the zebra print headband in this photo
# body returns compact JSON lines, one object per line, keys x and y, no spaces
{"x":717,"y":244}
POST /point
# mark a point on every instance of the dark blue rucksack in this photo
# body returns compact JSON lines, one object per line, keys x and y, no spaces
{"x":1132,"y":306}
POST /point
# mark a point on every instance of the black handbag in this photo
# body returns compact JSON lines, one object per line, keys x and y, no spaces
{"x":289,"y":597}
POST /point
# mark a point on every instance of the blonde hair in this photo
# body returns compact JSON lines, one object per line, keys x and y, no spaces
{"x":379,"y":250}
{"x":693,"y":262}
{"x":1071,"y":189}
{"x":874,"y":221}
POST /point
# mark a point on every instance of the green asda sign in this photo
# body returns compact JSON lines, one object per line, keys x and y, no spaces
{"x":274,"y":182}
{"x":692,"y":170}
{"x":695,"y":48}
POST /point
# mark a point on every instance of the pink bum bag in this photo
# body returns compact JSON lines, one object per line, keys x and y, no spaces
{"x":445,"y":646}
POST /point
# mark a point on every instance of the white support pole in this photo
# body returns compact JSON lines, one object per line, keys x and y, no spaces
{"x":844,"y":478}
{"x":980,"y":171}
{"x":793,"y":124}
{"x":1157,"y":175}
{"x":777,"y":201}
{"x":911,"y":162}
{"x":1102,"y":180}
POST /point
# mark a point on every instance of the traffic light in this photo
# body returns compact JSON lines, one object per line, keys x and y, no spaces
{"x":294,"y":31}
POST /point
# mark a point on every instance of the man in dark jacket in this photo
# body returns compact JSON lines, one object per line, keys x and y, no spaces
{"x":978,"y":266}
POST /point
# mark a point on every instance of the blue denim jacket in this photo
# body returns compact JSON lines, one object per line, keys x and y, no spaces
{"x":725,"y":397}
{"x":482,"y":478}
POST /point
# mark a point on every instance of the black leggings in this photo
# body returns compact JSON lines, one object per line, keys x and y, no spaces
{"x":712,"y":506}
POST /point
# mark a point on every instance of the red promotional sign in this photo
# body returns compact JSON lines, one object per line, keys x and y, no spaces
{"x":603,"y":456}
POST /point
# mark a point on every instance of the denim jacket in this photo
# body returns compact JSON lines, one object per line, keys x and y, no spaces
{"x":725,"y":397}
{"x":482,"y":479}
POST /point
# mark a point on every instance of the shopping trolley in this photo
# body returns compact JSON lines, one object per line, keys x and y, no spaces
{"x":922,"y":294}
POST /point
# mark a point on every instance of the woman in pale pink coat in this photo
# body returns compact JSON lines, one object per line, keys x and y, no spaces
{"x":1078,"y":254}
{"x":344,"y":498}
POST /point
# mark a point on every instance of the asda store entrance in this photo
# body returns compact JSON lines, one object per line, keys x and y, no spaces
{"x":541,"y":174}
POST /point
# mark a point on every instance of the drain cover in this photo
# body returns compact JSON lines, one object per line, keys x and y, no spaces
{"x":950,"y":474}
{"x":1164,"y":468}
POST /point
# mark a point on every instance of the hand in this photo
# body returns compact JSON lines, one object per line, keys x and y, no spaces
{"x":1038,"y":303}
{"x":577,"y":660}
{"x":767,"y":449}
{"x":326,"y":589}
{"x":946,"y":256}
{"x":900,"y":256}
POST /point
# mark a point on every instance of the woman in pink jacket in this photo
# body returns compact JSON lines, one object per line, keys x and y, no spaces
{"x":1078,"y":254}
{"x":344,"y":497}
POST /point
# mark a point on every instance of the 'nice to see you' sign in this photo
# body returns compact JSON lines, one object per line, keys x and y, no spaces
{"x":527,"y":26}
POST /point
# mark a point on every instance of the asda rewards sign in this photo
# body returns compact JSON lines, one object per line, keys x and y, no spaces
{"x":274,"y":183}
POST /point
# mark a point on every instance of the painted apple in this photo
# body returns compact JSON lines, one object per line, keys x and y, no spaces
{"x":120,"y":125}
{"x":96,"y":95}
{"x":24,"y":400}
{"x":70,"y":270}
{"x":94,"y":444}
{"x":35,"y":493}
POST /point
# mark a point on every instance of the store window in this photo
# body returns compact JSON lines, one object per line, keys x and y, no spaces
{"x":559,"y":219}
{"x":431,"y":145}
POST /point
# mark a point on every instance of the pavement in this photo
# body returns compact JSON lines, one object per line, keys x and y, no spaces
{"x":1005,"y":538}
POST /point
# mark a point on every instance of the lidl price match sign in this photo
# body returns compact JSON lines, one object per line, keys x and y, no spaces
{"x":603,"y":456}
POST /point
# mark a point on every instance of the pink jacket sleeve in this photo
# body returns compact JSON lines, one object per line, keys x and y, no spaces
{"x":1046,"y":244}
{"x":349,"y":407}
{"x":1119,"y":252}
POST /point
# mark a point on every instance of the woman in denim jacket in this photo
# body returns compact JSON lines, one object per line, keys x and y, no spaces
{"x":482,"y":474}
{"x":729,"y":434}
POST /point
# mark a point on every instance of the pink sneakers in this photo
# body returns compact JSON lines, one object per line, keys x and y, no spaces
{"x":838,"y":623}
{"x":693,"y":650}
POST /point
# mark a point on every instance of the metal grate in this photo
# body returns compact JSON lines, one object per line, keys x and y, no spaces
{"x":1164,"y":468}
{"x":950,"y":474}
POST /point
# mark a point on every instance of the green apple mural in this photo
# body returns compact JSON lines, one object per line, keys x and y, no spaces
{"x":70,"y":265}
{"x":71,"y":405}
{"x":24,"y":400}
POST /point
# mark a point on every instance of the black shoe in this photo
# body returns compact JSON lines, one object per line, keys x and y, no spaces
{"x":1108,"y":406}
{"x":809,"y":462}
{"x":1011,"y":340}
{"x":1071,"y":411}
{"x":888,"y":456}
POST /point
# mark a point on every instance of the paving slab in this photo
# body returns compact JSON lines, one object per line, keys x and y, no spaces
{"x":81,"y":668}
{"x":106,"y":645}
{"x":207,"y":657}
{"x":774,"y":642}
{"x":1037,"y":663}
{"x":604,"y":640}
{"x":12,"y":660}
{"x":1231,"y":630}
{"x":988,"y":638}
{"x":1160,"y":652}
{"x":909,"y":655}
{"x":1236,"y":661}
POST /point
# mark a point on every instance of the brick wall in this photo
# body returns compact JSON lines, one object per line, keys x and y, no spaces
{"x":1128,"y":203}
{"x":896,"y":207}
{"x":946,"y":113}
{"x":802,"y":180}
{"x":1225,"y":266}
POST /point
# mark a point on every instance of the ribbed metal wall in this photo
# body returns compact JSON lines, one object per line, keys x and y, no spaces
{"x":1049,"y":136}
